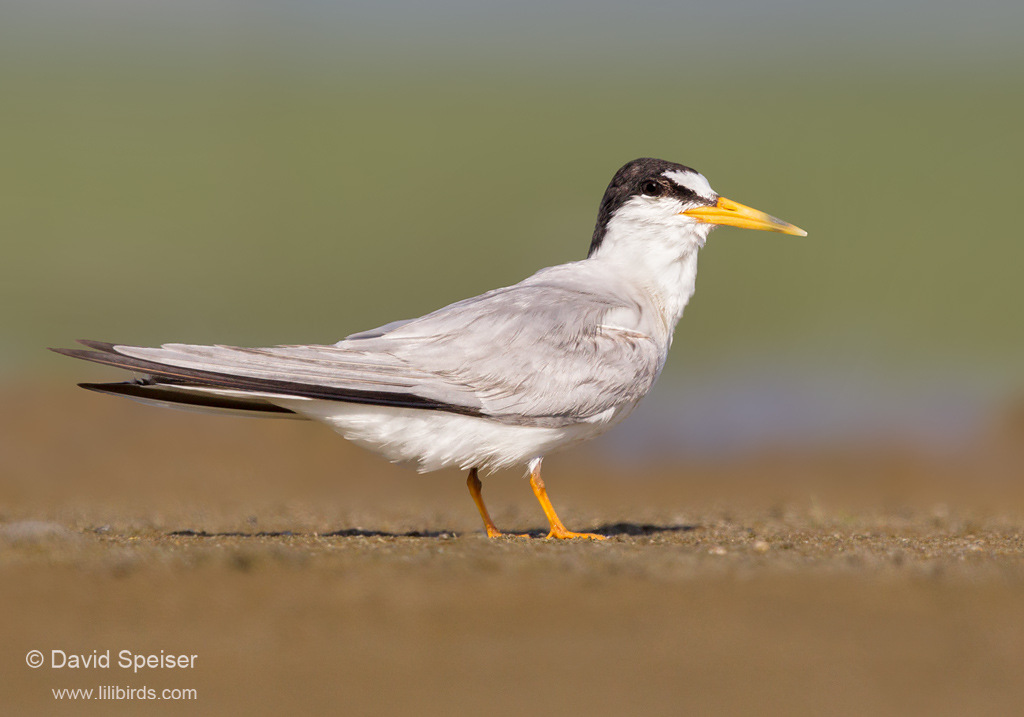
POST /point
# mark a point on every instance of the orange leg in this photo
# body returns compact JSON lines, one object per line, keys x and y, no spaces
{"x":558,"y":530}
{"x":474,"y":490}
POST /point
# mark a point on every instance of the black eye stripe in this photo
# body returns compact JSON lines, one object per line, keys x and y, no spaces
{"x":656,"y":187}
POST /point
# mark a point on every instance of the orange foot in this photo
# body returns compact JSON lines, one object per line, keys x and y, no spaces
{"x":561,"y":533}
{"x":474,"y":490}
{"x":558,"y":529}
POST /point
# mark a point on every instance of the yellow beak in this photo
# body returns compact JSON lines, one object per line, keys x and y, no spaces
{"x":734,"y":214}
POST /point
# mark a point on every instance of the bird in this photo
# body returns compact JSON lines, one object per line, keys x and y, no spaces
{"x":498,"y":380}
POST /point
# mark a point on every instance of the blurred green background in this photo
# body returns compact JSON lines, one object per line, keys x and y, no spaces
{"x":264,"y":173}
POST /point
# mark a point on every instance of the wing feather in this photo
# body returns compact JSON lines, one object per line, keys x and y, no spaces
{"x":536,"y":353}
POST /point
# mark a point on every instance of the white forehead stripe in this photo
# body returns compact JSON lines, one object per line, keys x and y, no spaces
{"x":690,"y":180}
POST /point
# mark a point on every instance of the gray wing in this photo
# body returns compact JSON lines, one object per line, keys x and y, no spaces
{"x":379,"y":331}
{"x":540,"y":352}
{"x":536,"y":353}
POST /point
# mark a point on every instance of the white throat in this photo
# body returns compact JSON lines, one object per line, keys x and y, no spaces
{"x":660,"y":257}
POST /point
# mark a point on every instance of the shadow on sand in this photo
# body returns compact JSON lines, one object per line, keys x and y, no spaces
{"x":609,"y":529}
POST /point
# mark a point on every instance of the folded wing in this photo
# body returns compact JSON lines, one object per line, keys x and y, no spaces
{"x":537,"y":353}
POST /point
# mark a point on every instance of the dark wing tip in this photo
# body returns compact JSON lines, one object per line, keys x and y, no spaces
{"x":106,"y":387}
{"x":98,"y":345}
{"x":82,"y":354}
{"x":150,"y":392}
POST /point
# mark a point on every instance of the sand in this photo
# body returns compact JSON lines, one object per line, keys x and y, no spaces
{"x":308,"y":576}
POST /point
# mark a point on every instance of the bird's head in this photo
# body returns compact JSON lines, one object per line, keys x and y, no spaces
{"x":652,"y":200}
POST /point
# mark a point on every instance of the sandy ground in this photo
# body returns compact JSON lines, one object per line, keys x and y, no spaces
{"x":309,"y":576}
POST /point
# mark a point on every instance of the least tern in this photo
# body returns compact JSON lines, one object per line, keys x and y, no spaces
{"x":498,"y":380}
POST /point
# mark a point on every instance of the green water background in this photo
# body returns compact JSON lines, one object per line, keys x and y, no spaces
{"x":261,"y":188}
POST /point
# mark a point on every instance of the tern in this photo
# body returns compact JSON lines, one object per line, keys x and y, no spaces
{"x":495,"y":381}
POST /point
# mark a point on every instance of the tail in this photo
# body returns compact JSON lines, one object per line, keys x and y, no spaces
{"x":175,"y":392}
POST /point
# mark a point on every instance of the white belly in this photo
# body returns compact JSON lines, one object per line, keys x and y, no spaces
{"x":437,"y":439}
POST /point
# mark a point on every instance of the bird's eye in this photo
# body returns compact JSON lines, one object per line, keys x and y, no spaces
{"x":652,"y":188}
